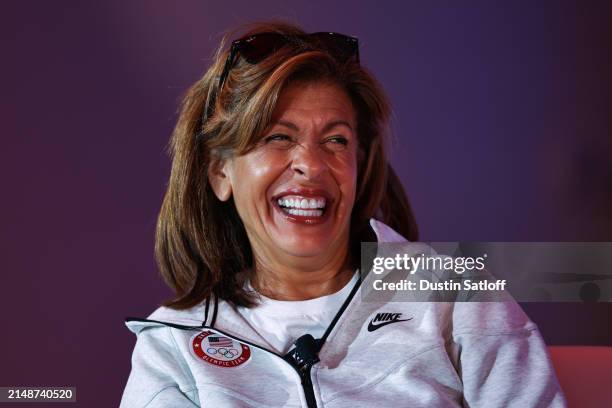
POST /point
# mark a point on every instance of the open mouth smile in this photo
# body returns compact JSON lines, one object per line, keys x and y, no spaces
{"x":303,"y":209}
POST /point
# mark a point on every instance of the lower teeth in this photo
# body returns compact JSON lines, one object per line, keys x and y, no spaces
{"x":304,"y":213}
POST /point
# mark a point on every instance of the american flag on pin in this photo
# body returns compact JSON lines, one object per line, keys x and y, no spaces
{"x":220,"y":341}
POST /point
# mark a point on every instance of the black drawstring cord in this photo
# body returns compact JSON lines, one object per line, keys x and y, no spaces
{"x":214,"y":317}
{"x":206,"y":311}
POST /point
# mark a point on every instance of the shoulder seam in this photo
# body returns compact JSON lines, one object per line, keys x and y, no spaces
{"x":159,"y":392}
{"x":178,"y":352}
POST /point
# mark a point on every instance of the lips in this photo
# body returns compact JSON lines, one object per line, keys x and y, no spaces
{"x":303,"y":205}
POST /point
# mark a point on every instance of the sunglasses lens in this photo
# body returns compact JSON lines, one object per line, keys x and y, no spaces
{"x":340,"y":46}
{"x":254,"y":49}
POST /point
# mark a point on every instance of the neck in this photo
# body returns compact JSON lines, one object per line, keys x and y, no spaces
{"x":301,"y":280}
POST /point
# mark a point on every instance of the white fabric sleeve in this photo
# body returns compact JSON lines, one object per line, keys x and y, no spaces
{"x":509,"y":369}
{"x":159,"y":378}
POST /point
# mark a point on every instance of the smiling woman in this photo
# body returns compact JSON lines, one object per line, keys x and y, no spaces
{"x":279,"y":172}
{"x":305,"y":122}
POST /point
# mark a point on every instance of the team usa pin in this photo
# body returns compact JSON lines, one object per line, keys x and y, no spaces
{"x":220,"y":350}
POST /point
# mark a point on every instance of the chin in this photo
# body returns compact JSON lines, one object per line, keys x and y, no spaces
{"x":304,"y":249}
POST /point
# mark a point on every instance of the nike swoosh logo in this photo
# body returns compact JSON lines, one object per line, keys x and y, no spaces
{"x":372,"y":327}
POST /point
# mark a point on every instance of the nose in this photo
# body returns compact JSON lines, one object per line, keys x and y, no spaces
{"x":308,"y":161}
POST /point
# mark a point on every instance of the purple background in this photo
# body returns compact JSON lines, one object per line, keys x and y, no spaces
{"x":502,"y":119}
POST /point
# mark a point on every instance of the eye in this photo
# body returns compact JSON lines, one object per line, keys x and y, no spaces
{"x":338,"y":139}
{"x":277,"y":138}
{"x":336,"y":143}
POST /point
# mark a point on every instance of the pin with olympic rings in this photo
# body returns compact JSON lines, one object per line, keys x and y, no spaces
{"x":219,"y":350}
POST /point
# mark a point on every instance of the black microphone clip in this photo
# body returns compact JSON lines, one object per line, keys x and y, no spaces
{"x":305,"y":352}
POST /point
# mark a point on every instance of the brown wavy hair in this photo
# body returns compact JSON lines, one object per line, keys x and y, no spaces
{"x":201,"y":244}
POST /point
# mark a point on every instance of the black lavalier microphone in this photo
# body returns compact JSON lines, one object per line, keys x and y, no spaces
{"x":305,"y":352}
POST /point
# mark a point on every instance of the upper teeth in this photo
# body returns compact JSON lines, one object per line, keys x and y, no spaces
{"x":301,"y":202}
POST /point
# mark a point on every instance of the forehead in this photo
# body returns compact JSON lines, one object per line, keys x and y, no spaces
{"x":315,"y":104}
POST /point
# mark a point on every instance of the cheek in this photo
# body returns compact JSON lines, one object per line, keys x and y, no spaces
{"x":253,"y":175}
{"x":351,"y":184}
{"x":345,"y":170}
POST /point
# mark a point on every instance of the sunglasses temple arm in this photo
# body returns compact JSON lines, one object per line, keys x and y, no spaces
{"x":228,"y":65}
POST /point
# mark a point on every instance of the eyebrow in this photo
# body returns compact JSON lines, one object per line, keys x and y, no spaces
{"x":327,"y":127}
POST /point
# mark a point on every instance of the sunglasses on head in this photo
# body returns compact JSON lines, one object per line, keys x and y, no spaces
{"x":256,"y":48}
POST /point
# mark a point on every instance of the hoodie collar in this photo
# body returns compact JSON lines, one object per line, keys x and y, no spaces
{"x":385,"y":233}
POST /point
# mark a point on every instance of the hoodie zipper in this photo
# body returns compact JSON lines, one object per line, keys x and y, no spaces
{"x":311,"y":401}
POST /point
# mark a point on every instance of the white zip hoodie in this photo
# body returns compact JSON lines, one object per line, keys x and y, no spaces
{"x":374,"y":354}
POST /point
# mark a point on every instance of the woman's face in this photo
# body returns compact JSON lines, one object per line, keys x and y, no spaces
{"x":296,"y":189}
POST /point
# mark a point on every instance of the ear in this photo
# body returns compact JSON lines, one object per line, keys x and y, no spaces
{"x":218,"y":177}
